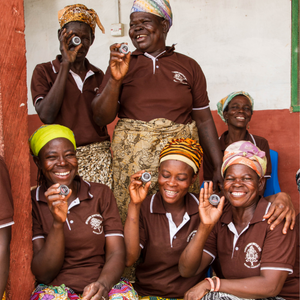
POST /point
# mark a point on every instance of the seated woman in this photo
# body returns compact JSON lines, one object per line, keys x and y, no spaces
{"x":78,"y":244}
{"x":236,"y":111}
{"x":255,"y":260}
{"x":160,"y":226}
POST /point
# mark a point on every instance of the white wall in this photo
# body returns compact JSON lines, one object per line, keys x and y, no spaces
{"x":240,"y":44}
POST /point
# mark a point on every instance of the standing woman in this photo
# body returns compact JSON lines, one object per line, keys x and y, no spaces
{"x":78,"y":245}
{"x":236,"y":111}
{"x":158,"y":94}
{"x":63,"y":89}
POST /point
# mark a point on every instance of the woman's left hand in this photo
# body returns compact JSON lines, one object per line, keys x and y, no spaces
{"x":95,"y":291}
{"x":197,"y":291}
{"x":281,"y":208}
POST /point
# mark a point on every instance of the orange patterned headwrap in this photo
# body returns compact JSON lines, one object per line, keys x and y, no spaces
{"x":185,"y":150}
{"x":80,"y":13}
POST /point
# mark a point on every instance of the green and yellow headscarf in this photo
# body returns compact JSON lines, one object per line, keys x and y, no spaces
{"x":47,"y":133}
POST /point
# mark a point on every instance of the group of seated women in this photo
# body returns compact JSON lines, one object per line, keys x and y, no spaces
{"x":79,"y":246}
{"x":80,"y":249}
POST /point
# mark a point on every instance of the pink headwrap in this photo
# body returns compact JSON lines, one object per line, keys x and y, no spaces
{"x":245,"y":153}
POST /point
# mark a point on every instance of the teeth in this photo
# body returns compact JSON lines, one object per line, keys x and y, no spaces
{"x":62,"y":174}
{"x":141,"y":35}
{"x":240,"y":118}
{"x":237,"y":194}
{"x":171,"y":193}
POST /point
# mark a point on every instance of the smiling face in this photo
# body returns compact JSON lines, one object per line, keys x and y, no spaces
{"x":239,"y":112}
{"x":242,"y":186}
{"x":83,"y":31}
{"x":174,"y":180}
{"x":57,"y":160}
{"x":148,"y":32}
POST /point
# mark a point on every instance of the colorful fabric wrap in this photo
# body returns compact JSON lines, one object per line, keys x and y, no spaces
{"x":245,"y":153}
{"x":225,"y":296}
{"x":185,"y":150}
{"x":156,"y":298}
{"x":159,"y":8}
{"x":222,"y":104}
{"x":47,"y":133}
{"x":123,"y":290}
{"x":79,"y":13}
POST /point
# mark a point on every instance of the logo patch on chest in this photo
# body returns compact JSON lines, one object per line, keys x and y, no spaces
{"x":179,"y":77}
{"x":95,"y":221}
{"x":252,"y":258}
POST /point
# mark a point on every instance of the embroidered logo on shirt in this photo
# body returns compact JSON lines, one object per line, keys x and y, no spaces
{"x":252,"y":256}
{"x":191,"y":235}
{"x":96,"y":223}
{"x":179,"y":77}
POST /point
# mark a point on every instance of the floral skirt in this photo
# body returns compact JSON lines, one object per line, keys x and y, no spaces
{"x":156,"y":298}
{"x":95,"y":163}
{"x":123,"y":290}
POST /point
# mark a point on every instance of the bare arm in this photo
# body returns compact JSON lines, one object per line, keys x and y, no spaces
{"x":105,"y":105}
{"x":138,"y":193}
{"x":192,"y":260}
{"x":111,"y":272}
{"x":268,"y":284}
{"x":209,"y":142}
{"x":5,"y":237}
{"x":48,"y":107}
{"x":48,"y":255}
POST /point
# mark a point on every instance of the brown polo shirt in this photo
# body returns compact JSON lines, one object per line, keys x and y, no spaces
{"x":258,"y":141}
{"x":92,"y":217}
{"x":162,"y":244}
{"x":256,"y":248}
{"x":75,"y":112}
{"x":6,"y":201}
{"x":168,"y":86}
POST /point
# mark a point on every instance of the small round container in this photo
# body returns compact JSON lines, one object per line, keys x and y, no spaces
{"x":146,"y":177}
{"x":75,"y":41}
{"x":124,"y":49}
{"x":214,"y":199}
{"x":64,"y":190}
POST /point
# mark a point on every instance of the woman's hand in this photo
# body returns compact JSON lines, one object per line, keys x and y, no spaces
{"x":68,"y":55}
{"x":137,"y":191}
{"x":119,"y":62}
{"x":197,"y":291}
{"x":95,"y":291}
{"x":57,"y":203}
{"x":281,"y":208}
{"x":209,"y":214}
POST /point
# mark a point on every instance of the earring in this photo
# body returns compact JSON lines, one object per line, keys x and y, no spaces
{"x":248,"y":127}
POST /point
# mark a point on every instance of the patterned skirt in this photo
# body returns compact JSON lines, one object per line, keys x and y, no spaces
{"x":156,"y":298}
{"x":95,"y":163}
{"x":225,"y":296}
{"x":136,"y":146}
{"x":123,"y":290}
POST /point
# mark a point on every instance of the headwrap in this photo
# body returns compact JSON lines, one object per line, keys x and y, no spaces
{"x":222,"y":104}
{"x":185,"y":150}
{"x":80,"y":13}
{"x":47,"y":133}
{"x":298,"y":179}
{"x":245,"y":153}
{"x":159,"y":8}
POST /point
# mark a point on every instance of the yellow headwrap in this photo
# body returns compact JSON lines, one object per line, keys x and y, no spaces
{"x":47,"y":133}
{"x":185,"y":150}
{"x":80,"y":13}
